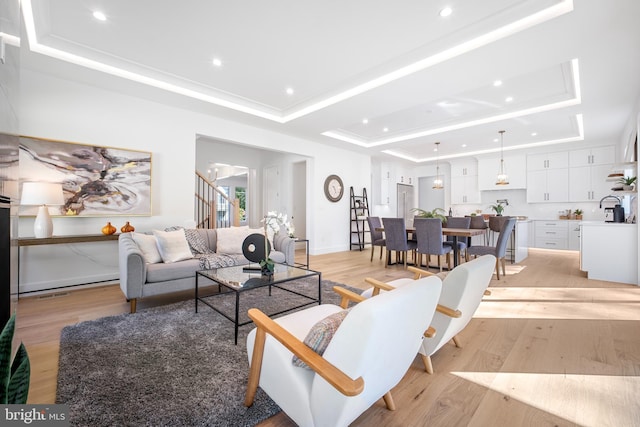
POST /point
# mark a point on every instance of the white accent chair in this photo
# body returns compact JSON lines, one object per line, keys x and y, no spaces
{"x":369,"y":354}
{"x":462,"y":292}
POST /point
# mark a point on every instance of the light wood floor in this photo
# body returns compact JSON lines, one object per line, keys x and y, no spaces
{"x":548,"y":347}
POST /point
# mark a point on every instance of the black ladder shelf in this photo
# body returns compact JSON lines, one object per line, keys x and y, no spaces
{"x":359,"y":214}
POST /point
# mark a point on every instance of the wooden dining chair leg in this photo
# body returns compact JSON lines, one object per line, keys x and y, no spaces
{"x":498,"y":268}
{"x":504,"y":266}
{"x":373,"y":249}
{"x":380,"y":252}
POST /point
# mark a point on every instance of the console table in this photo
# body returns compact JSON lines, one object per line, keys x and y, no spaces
{"x":55,"y":240}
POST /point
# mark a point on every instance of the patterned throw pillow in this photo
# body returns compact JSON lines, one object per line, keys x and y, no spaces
{"x":320,"y":335}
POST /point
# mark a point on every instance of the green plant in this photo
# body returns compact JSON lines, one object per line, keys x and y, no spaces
{"x":434,"y":213}
{"x":627,"y":180}
{"x":14,"y":376}
{"x":498,"y":208}
{"x":578,"y":212}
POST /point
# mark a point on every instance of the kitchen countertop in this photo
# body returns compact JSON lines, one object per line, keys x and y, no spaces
{"x":606,"y":224}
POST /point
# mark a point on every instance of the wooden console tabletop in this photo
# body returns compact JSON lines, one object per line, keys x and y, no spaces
{"x":55,"y":240}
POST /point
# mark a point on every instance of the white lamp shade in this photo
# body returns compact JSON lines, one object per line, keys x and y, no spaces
{"x":41,"y":193}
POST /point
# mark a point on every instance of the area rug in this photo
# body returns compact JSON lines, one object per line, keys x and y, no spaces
{"x":167,"y":366}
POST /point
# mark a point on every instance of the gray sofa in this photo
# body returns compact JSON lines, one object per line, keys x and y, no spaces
{"x":139,"y":279}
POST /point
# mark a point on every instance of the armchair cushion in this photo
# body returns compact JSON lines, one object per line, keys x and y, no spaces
{"x":321,"y":334}
{"x":172,"y":245}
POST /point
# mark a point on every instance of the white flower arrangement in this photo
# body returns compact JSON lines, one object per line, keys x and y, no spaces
{"x":273,"y":221}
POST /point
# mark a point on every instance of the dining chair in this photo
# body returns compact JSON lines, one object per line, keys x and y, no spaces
{"x":377,"y":237}
{"x":478,"y":222}
{"x":463,"y":243}
{"x":495,"y":225}
{"x":500,"y":249}
{"x":365,"y":352}
{"x":430,"y":240}
{"x":395,"y":232}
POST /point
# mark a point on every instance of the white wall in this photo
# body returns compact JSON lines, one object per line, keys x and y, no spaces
{"x":59,"y":109}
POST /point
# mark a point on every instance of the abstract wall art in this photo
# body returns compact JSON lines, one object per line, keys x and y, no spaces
{"x":96,"y":181}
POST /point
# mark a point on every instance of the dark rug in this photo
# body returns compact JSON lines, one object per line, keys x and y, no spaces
{"x":167,"y":366}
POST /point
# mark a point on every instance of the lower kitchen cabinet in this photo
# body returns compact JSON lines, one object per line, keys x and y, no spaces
{"x":551,"y":234}
{"x":609,"y":251}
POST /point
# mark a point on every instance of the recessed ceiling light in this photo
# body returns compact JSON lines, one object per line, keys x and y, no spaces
{"x":534,"y":133}
{"x":464,"y":145}
{"x":508,"y":99}
{"x":217,"y":62}
{"x":100,"y":16}
{"x":385,"y":130}
{"x":365,"y":121}
{"x":496,"y":140}
{"x":497,"y":83}
{"x":446,"y":12}
{"x":289,"y":91}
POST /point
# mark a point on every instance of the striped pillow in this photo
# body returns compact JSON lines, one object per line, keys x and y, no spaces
{"x":320,"y":335}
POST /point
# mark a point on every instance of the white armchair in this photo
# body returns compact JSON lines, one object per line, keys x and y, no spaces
{"x":462,"y":292}
{"x":368,"y":355}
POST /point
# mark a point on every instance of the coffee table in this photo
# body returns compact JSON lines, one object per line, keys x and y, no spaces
{"x":236,"y":279}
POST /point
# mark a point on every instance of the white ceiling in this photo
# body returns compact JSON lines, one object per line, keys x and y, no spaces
{"x":572,"y":68}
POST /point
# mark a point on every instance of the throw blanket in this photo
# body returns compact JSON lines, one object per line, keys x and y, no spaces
{"x":213,"y":260}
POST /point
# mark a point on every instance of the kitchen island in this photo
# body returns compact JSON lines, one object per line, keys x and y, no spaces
{"x":609,"y":251}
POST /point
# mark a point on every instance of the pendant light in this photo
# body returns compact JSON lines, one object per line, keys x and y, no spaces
{"x":502,"y":178}
{"x":437,"y":183}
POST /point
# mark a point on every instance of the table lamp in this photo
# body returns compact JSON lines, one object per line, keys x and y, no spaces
{"x":42,"y":194}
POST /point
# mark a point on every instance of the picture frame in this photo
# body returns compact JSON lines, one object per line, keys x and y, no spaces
{"x":96,"y":180}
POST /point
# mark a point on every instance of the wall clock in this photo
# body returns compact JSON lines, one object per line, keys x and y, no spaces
{"x":333,"y":188}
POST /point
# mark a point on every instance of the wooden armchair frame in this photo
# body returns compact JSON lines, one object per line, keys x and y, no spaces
{"x":265,"y":325}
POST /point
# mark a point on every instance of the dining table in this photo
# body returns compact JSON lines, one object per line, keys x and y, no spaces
{"x":454,"y":233}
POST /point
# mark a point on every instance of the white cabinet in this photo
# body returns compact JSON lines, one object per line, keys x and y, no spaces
{"x":589,"y":183}
{"x":592,"y":156}
{"x":548,"y":185}
{"x":464,"y":182}
{"x":515,"y":167}
{"x":573,"y":239}
{"x":557,"y":160}
{"x":609,"y":251}
{"x":551,"y":234}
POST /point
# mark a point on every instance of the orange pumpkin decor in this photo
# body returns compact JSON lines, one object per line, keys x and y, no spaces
{"x":108,"y":229}
{"x":127,"y":228}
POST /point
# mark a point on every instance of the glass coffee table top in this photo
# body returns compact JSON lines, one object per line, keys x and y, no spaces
{"x":238,"y":277}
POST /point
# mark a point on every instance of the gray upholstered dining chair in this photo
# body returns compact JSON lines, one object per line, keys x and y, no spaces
{"x":377,"y":237}
{"x":500,"y":249}
{"x":430,"y":240}
{"x":463,"y":243}
{"x":395,"y":232}
{"x":478,"y":222}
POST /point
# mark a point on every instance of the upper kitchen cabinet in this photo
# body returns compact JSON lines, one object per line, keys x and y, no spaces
{"x":592,"y":156}
{"x":557,"y":160}
{"x":548,"y":177}
{"x":464,"y":181}
{"x":588,"y":183}
{"x":515,"y":166}
{"x":588,"y":173}
{"x":548,"y":185}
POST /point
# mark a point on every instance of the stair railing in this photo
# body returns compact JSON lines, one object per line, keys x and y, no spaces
{"x":214,"y":208}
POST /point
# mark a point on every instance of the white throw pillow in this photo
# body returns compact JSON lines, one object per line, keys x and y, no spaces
{"x":229,"y":240}
{"x":148,"y":247}
{"x":172,"y":245}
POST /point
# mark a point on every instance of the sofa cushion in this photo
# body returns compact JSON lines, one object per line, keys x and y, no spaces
{"x":148,"y":246}
{"x":172,"y":245}
{"x":172,"y":271}
{"x":229,"y":240}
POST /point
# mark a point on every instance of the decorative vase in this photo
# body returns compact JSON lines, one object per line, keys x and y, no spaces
{"x":108,"y":229}
{"x":127,"y":228}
